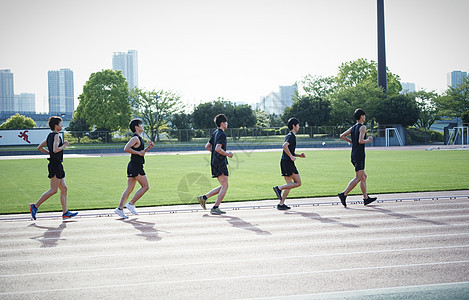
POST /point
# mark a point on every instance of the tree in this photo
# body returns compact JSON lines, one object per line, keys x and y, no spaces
{"x":204,"y":113}
{"x":155,"y":108}
{"x":314,"y":111}
{"x":318,"y":86}
{"x":181,"y":124}
{"x":77,"y":128}
{"x":400,"y":109}
{"x":104,"y":103}
{"x":243,"y":116}
{"x":344,"y":101}
{"x":428,"y":113}
{"x":18,"y":121}
{"x":262,"y":118}
{"x":455,"y":101}
{"x":353,"y":73}
{"x":238,"y":115}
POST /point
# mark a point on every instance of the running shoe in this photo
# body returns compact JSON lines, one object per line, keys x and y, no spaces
{"x":120,"y":213}
{"x":278,"y":192}
{"x":217,"y":211}
{"x":283,"y":207}
{"x":369,"y":200}
{"x":202,"y":201}
{"x":342,"y":198}
{"x":131,"y":208}
{"x":33,"y":209}
{"x":69,"y":215}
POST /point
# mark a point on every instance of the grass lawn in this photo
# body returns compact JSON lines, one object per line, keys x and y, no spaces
{"x":98,"y":182}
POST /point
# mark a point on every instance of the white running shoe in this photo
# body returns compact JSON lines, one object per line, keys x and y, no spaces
{"x":120,"y":213}
{"x":131,"y":208}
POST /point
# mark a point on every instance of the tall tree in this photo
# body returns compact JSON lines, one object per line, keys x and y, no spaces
{"x":399,"y":109}
{"x":344,"y":101}
{"x":104,"y":103}
{"x":155,"y":108}
{"x":455,"y":101}
{"x":428,"y":111}
{"x":314,"y":111}
{"x":318,"y":86}
{"x":353,"y":73}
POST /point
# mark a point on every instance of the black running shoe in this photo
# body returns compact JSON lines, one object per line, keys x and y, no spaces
{"x":342,"y":198}
{"x":278,"y":192}
{"x":369,"y":200}
{"x":283,"y":207}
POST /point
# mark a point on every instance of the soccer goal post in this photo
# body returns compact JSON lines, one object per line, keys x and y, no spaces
{"x":454,"y":134}
{"x":396,"y":134}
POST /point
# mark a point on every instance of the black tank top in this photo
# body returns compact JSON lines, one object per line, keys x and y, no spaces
{"x":358,"y":150}
{"x":54,"y":157}
{"x":135,"y":157}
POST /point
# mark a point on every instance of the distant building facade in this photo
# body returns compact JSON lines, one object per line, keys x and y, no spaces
{"x":25,"y":103}
{"x":407,"y":87}
{"x":127,"y":63}
{"x":61,"y":92}
{"x":276,"y":102}
{"x":455,"y":78}
{"x":7,"y":93}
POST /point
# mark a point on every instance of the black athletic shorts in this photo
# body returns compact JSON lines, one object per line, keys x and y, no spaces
{"x":359,"y":164}
{"x":288,"y":167}
{"x":134,"y":169}
{"x":219,"y":169}
{"x":56,"y":169}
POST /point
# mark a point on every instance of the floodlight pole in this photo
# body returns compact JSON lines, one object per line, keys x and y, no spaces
{"x":382,"y":80}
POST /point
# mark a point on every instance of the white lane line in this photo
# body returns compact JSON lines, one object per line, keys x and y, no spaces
{"x":247,"y":238}
{"x":278,"y":275}
{"x":256,"y":259}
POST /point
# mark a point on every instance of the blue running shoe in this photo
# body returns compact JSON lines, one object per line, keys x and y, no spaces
{"x":69,"y":215}
{"x":33,"y":209}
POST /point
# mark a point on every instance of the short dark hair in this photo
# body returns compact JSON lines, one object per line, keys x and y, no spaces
{"x":54,"y":120}
{"x":134,"y":123}
{"x":358,"y":113}
{"x":220,"y":118}
{"x":292,"y":122}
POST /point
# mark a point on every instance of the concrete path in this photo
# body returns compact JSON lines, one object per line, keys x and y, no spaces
{"x":403,"y":246}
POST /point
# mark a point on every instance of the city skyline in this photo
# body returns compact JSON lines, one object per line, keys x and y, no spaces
{"x":240,"y":50}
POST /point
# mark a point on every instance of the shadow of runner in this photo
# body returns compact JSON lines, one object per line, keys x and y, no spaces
{"x":240,"y":223}
{"x":146,"y":229}
{"x":317,"y":217}
{"x":51,"y":236}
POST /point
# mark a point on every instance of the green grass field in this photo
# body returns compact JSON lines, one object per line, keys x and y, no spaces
{"x":98,"y":182}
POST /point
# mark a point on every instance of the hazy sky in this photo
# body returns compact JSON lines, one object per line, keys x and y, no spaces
{"x":236,"y":49}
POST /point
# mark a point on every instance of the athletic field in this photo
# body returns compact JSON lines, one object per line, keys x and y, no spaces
{"x":98,"y":182}
{"x":405,"y":246}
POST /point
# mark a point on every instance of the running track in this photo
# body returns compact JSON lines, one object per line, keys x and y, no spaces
{"x":407,"y":246}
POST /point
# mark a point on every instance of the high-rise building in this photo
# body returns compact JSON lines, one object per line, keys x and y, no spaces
{"x":7,"y":93}
{"x":407,"y":87}
{"x":127,"y":63}
{"x":455,"y":78}
{"x":25,"y":103}
{"x":61,"y":93}
{"x":275,"y":103}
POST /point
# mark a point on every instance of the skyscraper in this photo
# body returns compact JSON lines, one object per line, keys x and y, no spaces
{"x":7,"y":93}
{"x":407,"y":87}
{"x":275,"y":103}
{"x":61,"y":93}
{"x":127,"y":63}
{"x":25,"y":103}
{"x":455,"y":78}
